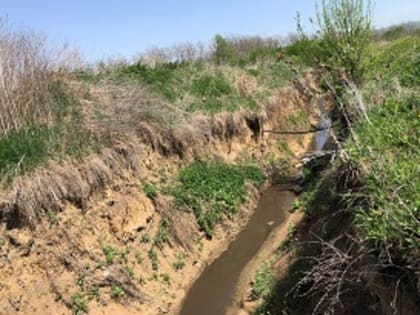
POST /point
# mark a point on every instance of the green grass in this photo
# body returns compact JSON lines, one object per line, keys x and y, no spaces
{"x":150,"y":190}
{"x":211,"y":86}
{"x":398,"y":60}
{"x":25,"y":150}
{"x":213,"y":190}
{"x":389,"y":150}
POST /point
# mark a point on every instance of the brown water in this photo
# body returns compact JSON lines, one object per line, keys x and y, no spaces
{"x":212,"y":293}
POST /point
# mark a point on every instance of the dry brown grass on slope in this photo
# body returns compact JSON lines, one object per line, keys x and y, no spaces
{"x":48,"y":188}
{"x":28,"y":74}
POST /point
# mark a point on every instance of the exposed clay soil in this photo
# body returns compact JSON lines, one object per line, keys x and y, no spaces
{"x":42,"y":268}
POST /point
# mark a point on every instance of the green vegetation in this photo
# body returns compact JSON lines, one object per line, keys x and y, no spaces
{"x":79,"y":304}
{"x":179,"y":263}
{"x":153,"y":258}
{"x":345,"y":29}
{"x":396,"y":60}
{"x":117,"y":292}
{"x":389,"y":153}
{"x":166,"y":278}
{"x":150,"y":191}
{"x":213,"y":190}
{"x":211,"y":86}
{"x":24,"y":150}
{"x":162,"y":235}
{"x":145,"y":238}
{"x":263,"y":281}
{"x":110,"y":253}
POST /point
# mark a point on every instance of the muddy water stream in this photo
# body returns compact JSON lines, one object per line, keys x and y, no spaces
{"x":213,"y":291}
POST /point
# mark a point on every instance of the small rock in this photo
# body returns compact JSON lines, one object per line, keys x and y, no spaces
{"x":270,"y":223}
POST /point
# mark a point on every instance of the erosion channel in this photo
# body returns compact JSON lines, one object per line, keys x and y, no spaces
{"x":214,"y":290}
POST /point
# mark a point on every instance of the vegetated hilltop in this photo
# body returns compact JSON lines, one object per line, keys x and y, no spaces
{"x":357,"y":250}
{"x":120,"y":182}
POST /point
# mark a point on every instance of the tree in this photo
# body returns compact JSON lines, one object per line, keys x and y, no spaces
{"x":345,"y":30}
{"x":224,"y":52}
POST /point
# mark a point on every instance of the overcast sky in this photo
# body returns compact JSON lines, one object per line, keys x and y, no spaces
{"x":122,"y":28}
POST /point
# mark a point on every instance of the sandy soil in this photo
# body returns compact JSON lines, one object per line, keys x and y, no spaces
{"x":42,"y":270}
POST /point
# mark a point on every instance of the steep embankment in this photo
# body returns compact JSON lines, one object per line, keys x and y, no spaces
{"x":106,"y":236}
{"x":357,"y":249}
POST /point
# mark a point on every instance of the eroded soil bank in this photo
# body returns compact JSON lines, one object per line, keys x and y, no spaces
{"x":99,"y":260}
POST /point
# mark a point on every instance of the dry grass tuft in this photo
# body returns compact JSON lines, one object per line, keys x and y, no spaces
{"x":28,"y":76}
{"x":47,"y":189}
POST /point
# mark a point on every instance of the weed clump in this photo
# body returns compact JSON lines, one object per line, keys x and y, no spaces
{"x":213,"y":190}
{"x":263,"y":282}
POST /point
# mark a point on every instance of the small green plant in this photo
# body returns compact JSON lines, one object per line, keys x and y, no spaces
{"x":291,"y":229}
{"x":154,"y":277}
{"x":145,"y":238}
{"x":263,"y":281}
{"x":162,"y":235}
{"x":150,"y":191}
{"x":153,"y":258}
{"x":110,"y":253}
{"x":296,"y":205}
{"x":130,"y":271}
{"x":79,"y":304}
{"x":286,"y":244}
{"x":124,"y":254}
{"x":117,"y":292}
{"x":52,"y":217}
{"x":139,"y":258}
{"x":101,"y":264}
{"x":2,"y":243}
{"x":93,"y":293}
{"x":179,"y":262}
{"x":142,"y":280}
{"x":166,"y":278}
{"x":80,"y":281}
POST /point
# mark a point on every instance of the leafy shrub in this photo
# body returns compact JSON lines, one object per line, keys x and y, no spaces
{"x":214,"y":189}
{"x":345,"y":32}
